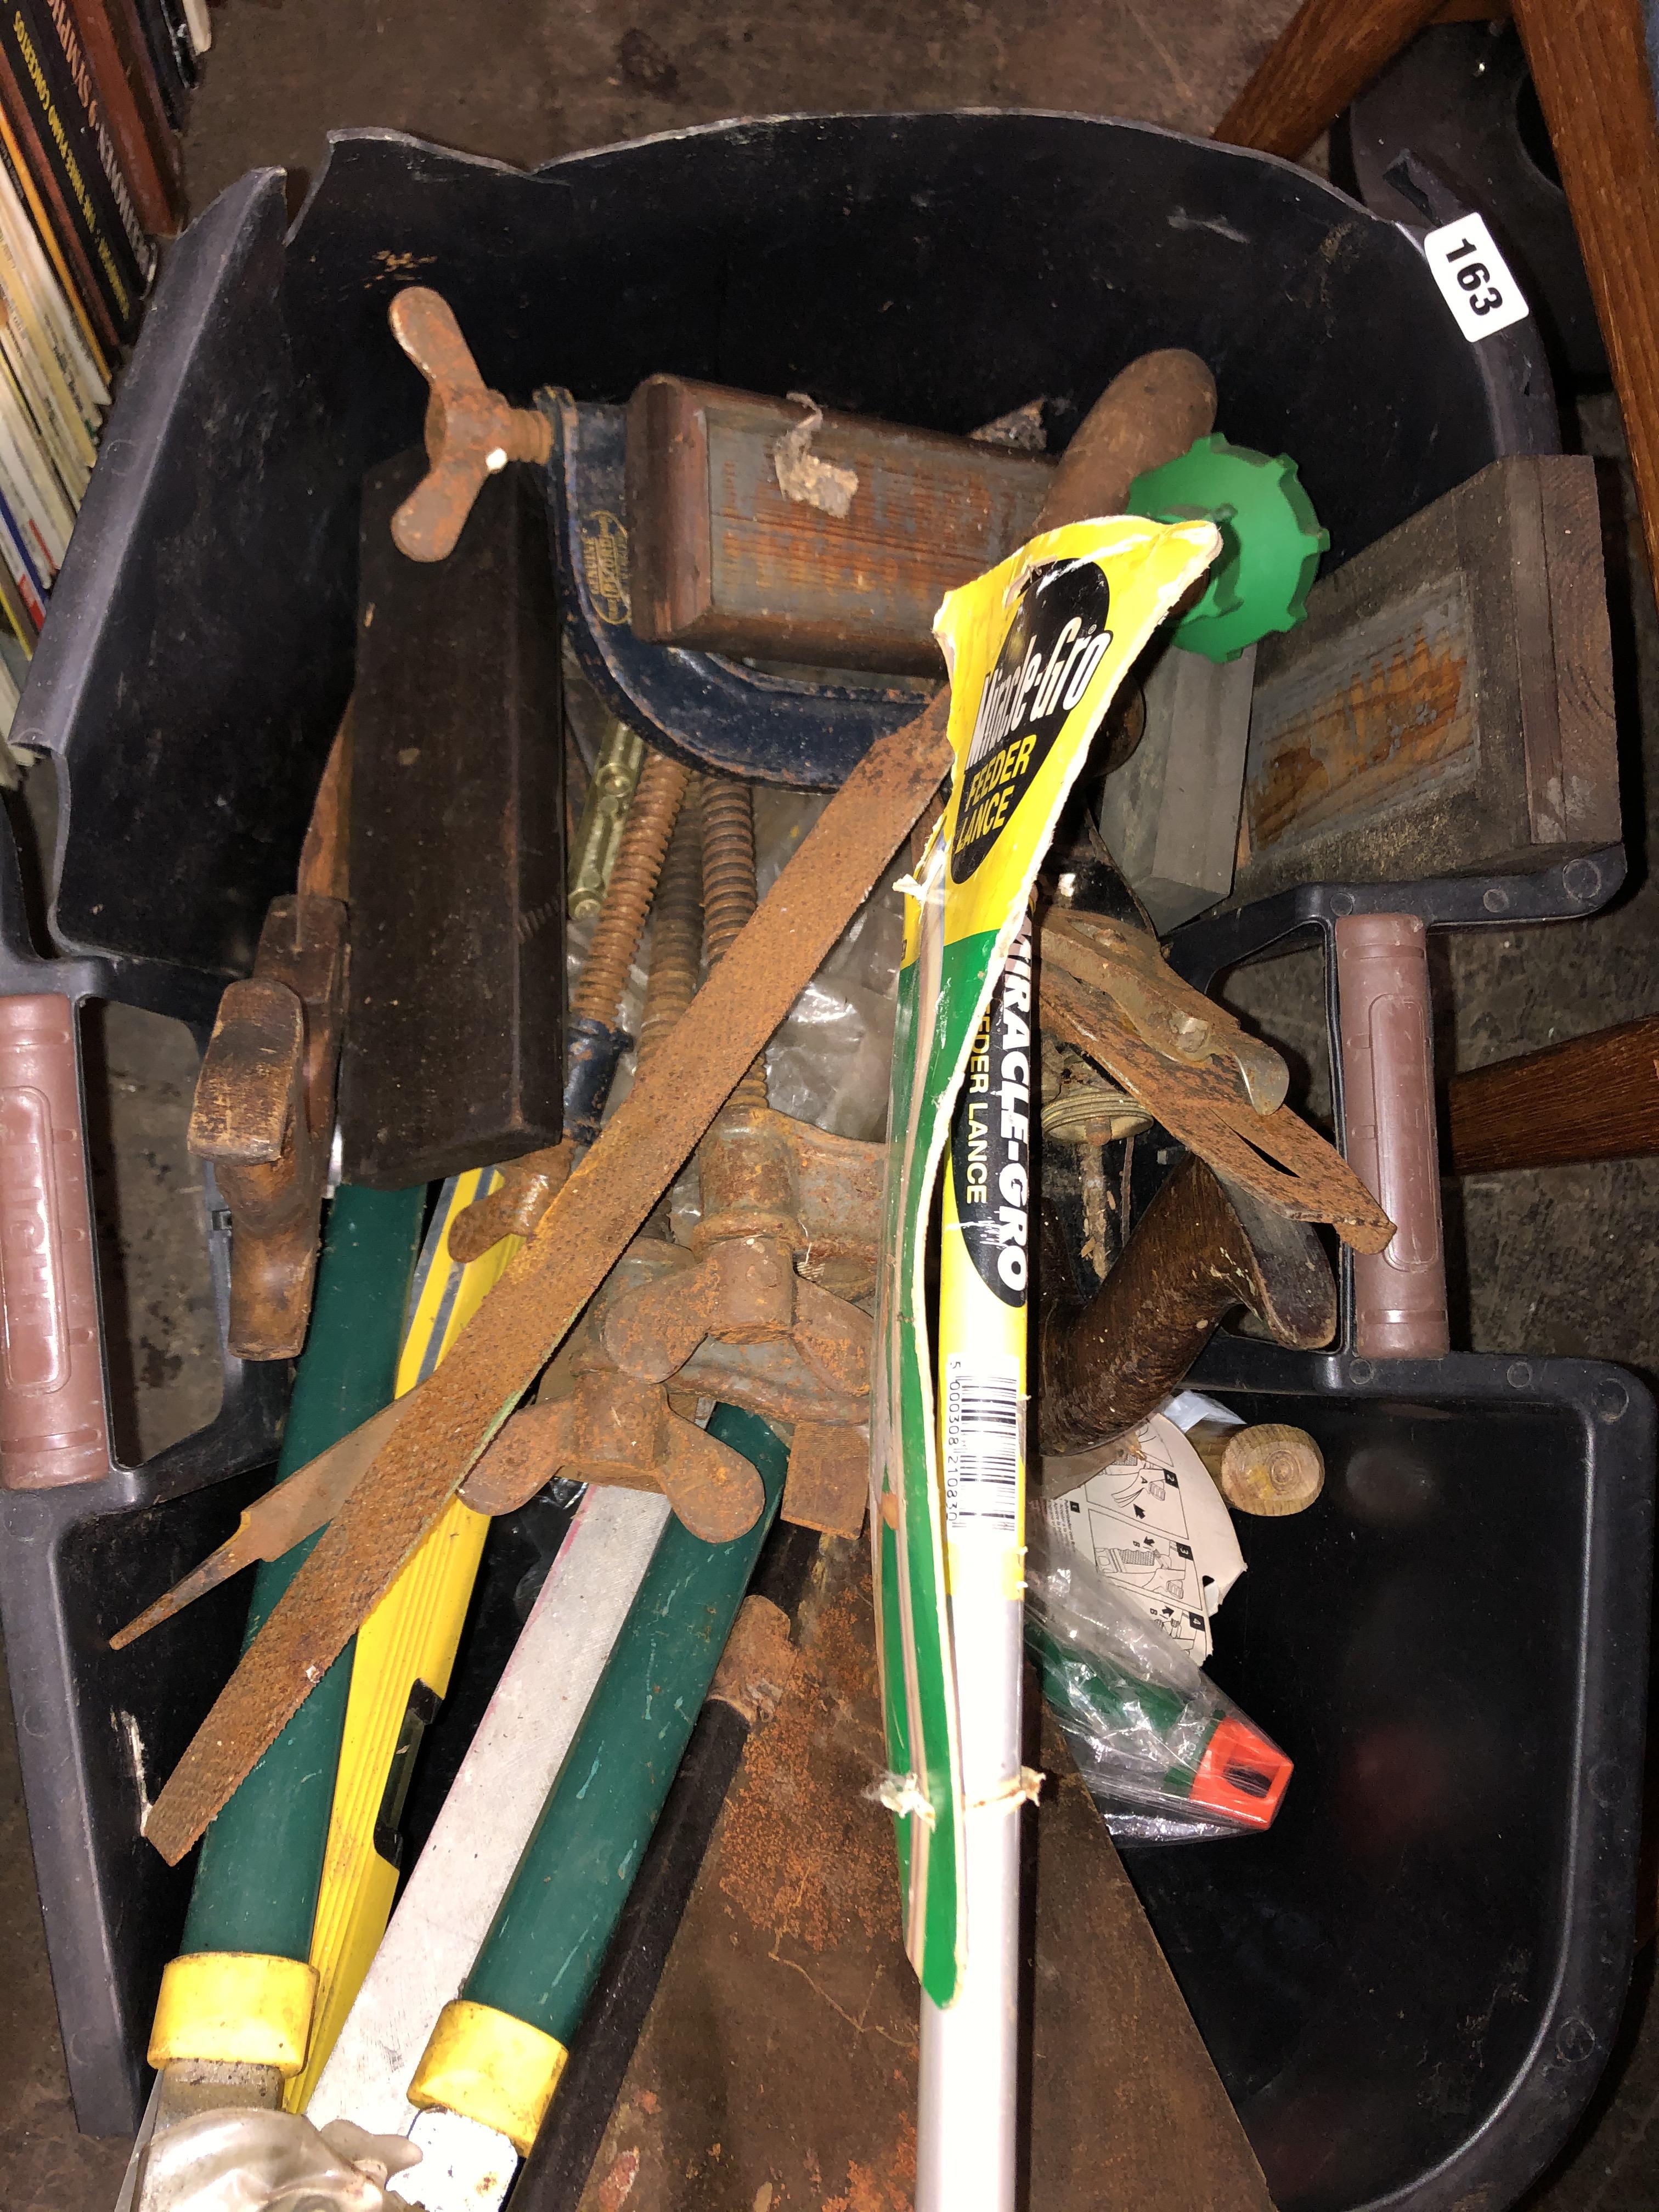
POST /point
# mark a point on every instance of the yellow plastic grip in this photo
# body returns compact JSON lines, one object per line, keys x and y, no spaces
{"x":236,"y":2006}
{"x":491,"y":2068}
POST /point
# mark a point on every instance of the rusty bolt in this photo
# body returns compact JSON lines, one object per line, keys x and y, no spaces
{"x":530,"y":1185}
{"x":729,"y":894}
{"x":640,"y":857}
{"x":676,"y":930}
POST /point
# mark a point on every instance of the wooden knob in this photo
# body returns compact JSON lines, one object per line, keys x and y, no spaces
{"x":1270,"y":1470}
{"x":471,"y":431}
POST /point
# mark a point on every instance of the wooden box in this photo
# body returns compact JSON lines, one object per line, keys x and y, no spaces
{"x":1446,"y":707}
{"x":720,"y":559}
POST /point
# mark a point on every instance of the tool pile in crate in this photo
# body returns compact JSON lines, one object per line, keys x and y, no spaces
{"x":577,"y":1256}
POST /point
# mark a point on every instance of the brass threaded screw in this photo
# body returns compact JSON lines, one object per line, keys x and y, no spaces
{"x":530,"y":1185}
{"x":729,"y":894}
{"x":644,"y":838}
{"x":676,"y":930}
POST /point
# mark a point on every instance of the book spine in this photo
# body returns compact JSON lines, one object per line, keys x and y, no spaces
{"x":59,"y":368}
{"x":23,"y":579}
{"x":35,"y":32}
{"x":50,"y":513}
{"x":172,"y":56}
{"x":59,"y":320}
{"x":12,"y":765}
{"x":17,"y":505}
{"x":52,"y":366}
{"x":146,"y":151}
{"x":48,"y":221}
{"x":66,"y":465}
{"x":67,"y":64}
{"x":62,"y":148}
{"x":23,"y":625}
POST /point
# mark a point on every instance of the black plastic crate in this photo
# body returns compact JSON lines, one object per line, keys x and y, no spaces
{"x":936,"y":269}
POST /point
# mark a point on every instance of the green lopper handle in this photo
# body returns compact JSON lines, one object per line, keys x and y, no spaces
{"x":262,"y":1859}
{"x":541,"y":1955}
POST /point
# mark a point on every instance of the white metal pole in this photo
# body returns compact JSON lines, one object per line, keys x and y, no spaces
{"x":966,"y":2129}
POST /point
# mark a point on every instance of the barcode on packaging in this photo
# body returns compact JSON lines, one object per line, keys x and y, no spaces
{"x":982,"y":1443}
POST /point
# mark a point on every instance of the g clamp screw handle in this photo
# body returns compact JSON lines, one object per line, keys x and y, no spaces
{"x":471,"y":432}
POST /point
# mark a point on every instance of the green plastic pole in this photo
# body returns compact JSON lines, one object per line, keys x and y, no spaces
{"x":541,"y":1955}
{"x":261,"y":1865}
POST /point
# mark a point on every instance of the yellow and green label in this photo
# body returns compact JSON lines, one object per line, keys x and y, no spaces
{"x":1037,"y":648}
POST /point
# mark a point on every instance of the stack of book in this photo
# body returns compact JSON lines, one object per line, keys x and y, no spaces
{"x":93,"y":95}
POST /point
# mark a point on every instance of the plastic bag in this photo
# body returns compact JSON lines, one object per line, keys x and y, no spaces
{"x":241,"y":2160}
{"x":1166,"y":1755}
{"x":829,"y":1062}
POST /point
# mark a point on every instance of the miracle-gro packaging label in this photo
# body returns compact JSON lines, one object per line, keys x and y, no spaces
{"x":1037,"y":647}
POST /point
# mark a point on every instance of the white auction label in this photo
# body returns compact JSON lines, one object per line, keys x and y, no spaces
{"x":1474,"y":278}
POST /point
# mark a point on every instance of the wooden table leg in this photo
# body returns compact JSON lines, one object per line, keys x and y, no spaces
{"x":1588,"y":64}
{"x":1589,"y":67}
{"x":1591,"y":1098}
{"x":1328,"y":51}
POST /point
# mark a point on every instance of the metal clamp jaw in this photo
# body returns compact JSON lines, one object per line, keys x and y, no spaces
{"x":775,"y":1192}
{"x":1180,"y":1024}
{"x":471,"y":432}
{"x":263,"y":1116}
{"x":597,"y":1423}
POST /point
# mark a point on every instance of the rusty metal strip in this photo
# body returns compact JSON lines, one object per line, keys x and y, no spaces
{"x":306,"y":1501}
{"x":1182,"y":1025}
{"x":1275,"y":1157}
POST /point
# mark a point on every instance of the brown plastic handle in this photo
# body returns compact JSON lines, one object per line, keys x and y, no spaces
{"x":54,"y":1414}
{"x":1389,"y":1132}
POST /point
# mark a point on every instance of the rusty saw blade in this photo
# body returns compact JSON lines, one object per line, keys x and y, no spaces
{"x":1152,"y":412}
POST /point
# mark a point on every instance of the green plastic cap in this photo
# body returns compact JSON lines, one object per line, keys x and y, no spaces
{"x":1271,"y":540}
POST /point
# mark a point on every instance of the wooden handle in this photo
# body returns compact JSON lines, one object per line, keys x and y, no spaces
{"x":1149,"y":413}
{"x":1590,"y":68}
{"x":1269,"y":1470}
{"x":1592,"y":1098}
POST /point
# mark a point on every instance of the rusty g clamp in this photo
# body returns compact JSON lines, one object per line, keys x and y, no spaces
{"x":728,"y":1320}
{"x":263,"y":1117}
{"x":775,"y":1193}
{"x":594,"y":1423}
{"x":774,"y":1190}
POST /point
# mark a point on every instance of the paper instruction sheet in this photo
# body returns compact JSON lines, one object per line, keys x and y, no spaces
{"x":1155,"y":1527}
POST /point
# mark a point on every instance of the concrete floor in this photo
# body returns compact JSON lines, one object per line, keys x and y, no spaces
{"x":1554,"y":1262}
